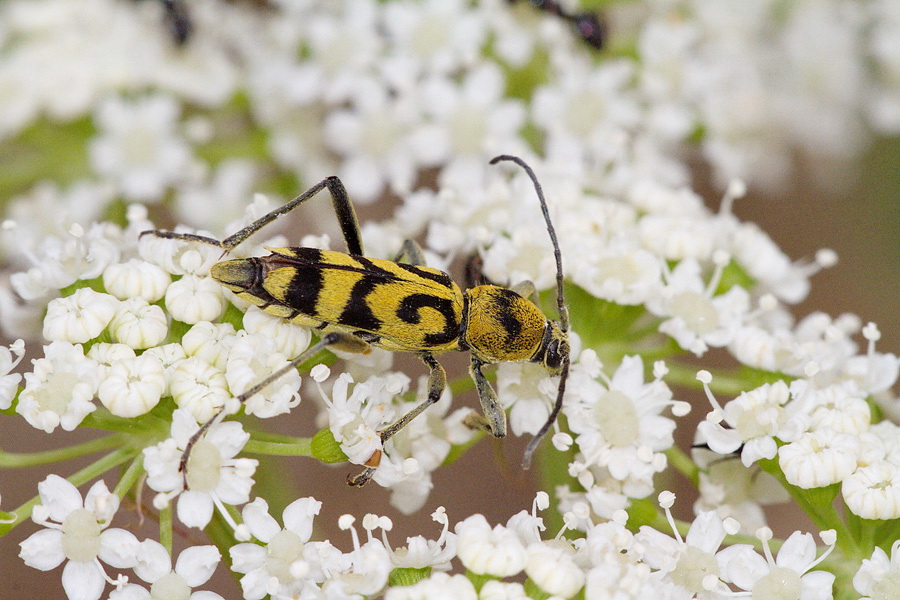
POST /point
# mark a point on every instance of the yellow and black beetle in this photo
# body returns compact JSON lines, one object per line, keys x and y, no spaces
{"x":355,"y":302}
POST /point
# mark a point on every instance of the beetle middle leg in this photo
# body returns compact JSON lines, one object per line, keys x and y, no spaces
{"x":437,"y":381}
{"x":493,"y":417}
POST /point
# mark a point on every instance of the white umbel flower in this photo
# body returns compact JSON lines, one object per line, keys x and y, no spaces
{"x":619,"y":422}
{"x":369,"y":564}
{"x":192,"y":299}
{"x":136,"y":279}
{"x":878,"y":577}
{"x":691,"y":563}
{"x":139,"y":324}
{"x":251,"y":359}
{"x":873,"y":491}
{"x":279,"y":565}
{"x":698,"y":319}
{"x":819,"y":458}
{"x":290,"y":340}
{"x":440,"y":586}
{"x":80,"y":317}
{"x":502,"y":590}
{"x":435,"y":36}
{"x":105,"y":354}
{"x":138,"y":146}
{"x":214,"y":476}
{"x":210,"y":341}
{"x":373,"y":140}
{"x":841,"y":407}
{"x":77,"y":532}
{"x":356,"y":417}
{"x":420,"y":552}
{"x":198,"y":387}
{"x":733,"y":490}
{"x":497,"y":552}
{"x":790,"y":574}
{"x":755,"y":418}
{"x":552,"y":566}
{"x":133,"y":386}
{"x":60,"y":388}
{"x":178,"y":257}
{"x":9,"y":382}
{"x":195,"y":565}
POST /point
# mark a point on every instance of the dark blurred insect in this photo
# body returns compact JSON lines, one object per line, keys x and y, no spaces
{"x":354,"y":302}
{"x":587,"y":25}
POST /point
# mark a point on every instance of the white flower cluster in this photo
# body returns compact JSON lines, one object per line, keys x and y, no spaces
{"x":821,"y":419}
{"x":130,"y":366}
{"x":285,"y":562}
{"x":377,"y":91}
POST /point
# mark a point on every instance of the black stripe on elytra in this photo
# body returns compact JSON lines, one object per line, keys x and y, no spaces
{"x":366,"y":267}
{"x":357,"y":312}
{"x":505,"y":316}
{"x":303,"y":291}
{"x":408,"y":312}
{"x":439,"y":277}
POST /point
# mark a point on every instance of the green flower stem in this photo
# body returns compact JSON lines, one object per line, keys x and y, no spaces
{"x":221,"y":535}
{"x":723,"y":382}
{"x":683,"y":464}
{"x":165,"y":528}
{"x":818,"y":504}
{"x":288,"y":447}
{"x":12,"y":460}
{"x":143,"y":428}
{"x":130,"y":476}
{"x":92,"y":471}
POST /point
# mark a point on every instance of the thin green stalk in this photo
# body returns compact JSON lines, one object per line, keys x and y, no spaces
{"x":165,"y":528}
{"x":683,"y":464}
{"x":295,"y":447}
{"x":818,"y":504}
{"x":723,"y":382}
{"x":13,"y":460}
{"x":130,"y":476}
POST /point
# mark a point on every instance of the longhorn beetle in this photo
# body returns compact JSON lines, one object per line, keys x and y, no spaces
{"x":355,"y":302}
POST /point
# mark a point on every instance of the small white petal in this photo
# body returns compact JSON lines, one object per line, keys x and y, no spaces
{"x":195,"y":509}
{"x":153,"y":561}
{"x":196,"y":564}
{"x":83,"y":580}
{"x":119,"y":548}
{"x":43,"y":550}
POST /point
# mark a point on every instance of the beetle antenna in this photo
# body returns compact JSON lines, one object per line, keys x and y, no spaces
{"x":557,"y":407}
{"x":560,"y":304}
{"x":560,"y":298}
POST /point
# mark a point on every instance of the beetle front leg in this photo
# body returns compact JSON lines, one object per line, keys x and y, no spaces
{"x":411,"y":254}
{"x":493,"y":419}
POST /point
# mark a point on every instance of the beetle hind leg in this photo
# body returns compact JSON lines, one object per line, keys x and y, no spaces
{"x":342,"y":341}
{"x":343,"y":209}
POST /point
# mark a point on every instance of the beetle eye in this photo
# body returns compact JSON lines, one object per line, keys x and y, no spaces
{"x":553,"y":358}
